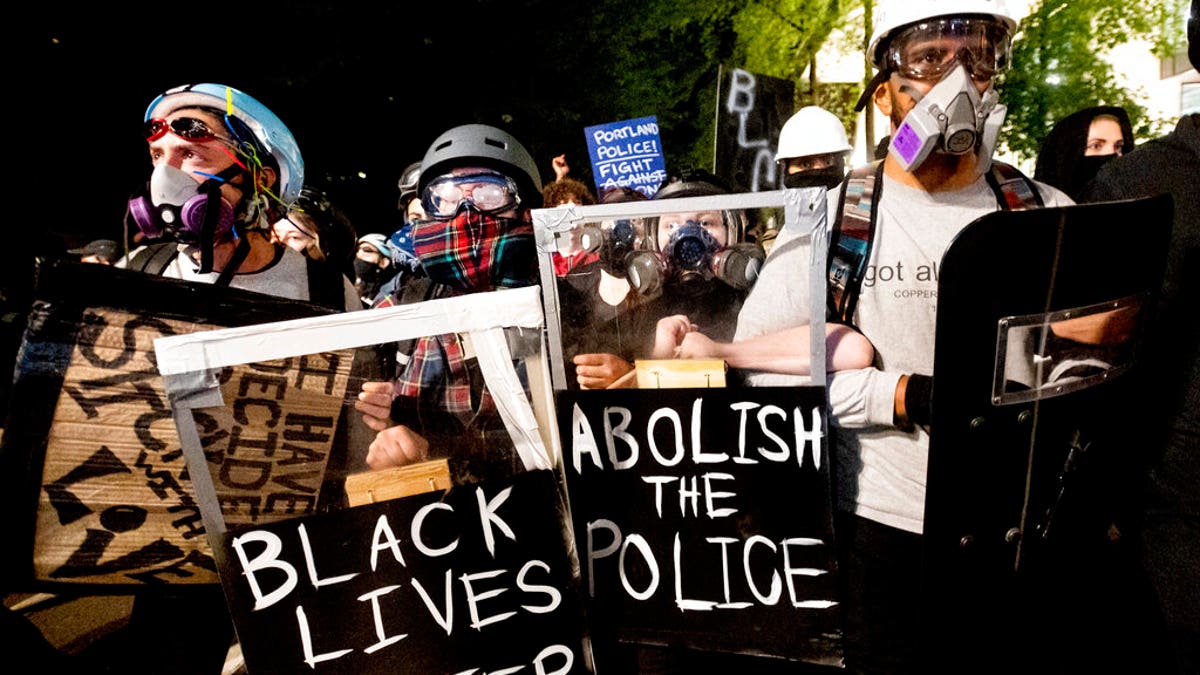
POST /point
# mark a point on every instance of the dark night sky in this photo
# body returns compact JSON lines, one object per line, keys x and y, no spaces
{"x":363,"y":88}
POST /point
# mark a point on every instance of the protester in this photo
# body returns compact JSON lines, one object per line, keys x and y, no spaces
{"x":696,"y":264}
{"x":925,"y":193}
{"x":406,"y":265}
{"x":812,"y":149}
{"x":477,"y":185}
{"x":1170,"y":415}
{"x":372,"y":266}
{"x":102,"y":251}
{"x":225,"y":167}
{"x":1080,"y":144}
{"x":317,"y":228}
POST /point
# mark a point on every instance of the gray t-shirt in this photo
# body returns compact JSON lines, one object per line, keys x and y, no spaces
{"x":286,"y":277}
{"x":882,"y":469}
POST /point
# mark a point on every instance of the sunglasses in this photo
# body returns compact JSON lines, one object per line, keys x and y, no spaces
{"x":488,"y":192}
{"x":187,"y":128}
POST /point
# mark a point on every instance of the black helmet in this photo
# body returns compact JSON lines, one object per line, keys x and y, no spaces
{"x":408,"y":185}
{"x":692,"y":183}
{"x":335,"y":234}
{"x":486,"y":146}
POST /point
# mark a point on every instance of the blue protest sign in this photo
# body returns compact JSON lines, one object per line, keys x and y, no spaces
{"x":627,"y":154}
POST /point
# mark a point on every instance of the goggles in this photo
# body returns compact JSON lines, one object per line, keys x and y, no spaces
{"x":187,"y":128}
{"x":487,"y":192}
{"x":930,"y":49}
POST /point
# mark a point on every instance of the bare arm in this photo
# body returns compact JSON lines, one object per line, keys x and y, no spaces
{"x":785,"y":351}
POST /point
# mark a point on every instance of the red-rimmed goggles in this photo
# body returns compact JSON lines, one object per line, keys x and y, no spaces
{"x":187,"y":128}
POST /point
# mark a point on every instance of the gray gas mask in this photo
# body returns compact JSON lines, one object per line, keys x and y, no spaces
{"x":953,"y":118}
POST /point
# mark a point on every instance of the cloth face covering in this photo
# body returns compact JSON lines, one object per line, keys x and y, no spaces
{"x":474,"y":251}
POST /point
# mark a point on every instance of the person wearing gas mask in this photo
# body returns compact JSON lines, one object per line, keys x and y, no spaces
{"x":225,"y":168}
{"x":693,"y":264}
{"x":936,"y":62}
{"x":477,"y":186}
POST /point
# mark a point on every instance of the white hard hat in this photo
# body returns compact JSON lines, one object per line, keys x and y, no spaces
{"x":893,"y":14}
{"x":812,"y":131}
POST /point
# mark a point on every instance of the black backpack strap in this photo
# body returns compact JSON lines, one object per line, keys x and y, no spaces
{"x":153,"y":258}
{"x":1013,"y":189}
{"x":850,"y":239}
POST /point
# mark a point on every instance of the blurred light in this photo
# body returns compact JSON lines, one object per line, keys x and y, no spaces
{"x":1053,"y":79}
{"x":362,"y":174}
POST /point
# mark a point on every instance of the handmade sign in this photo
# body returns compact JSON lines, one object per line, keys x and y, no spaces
{"x":703,"y":518}
{"x":476,"y":580}
{"x":627,"y":154}
{"x":91,"y":450}
{"x":480,"y":578}
{"x":751,"y":110}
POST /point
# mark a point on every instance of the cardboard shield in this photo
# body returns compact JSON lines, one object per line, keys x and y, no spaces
{"x":1040,"y":315}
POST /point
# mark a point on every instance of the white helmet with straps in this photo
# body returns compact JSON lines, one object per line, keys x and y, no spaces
{"x":812,"y":131}
{"x":891,"y":15}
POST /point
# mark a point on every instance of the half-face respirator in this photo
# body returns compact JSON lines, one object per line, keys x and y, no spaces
{"x":953,"y":118}
{"x":179,"y":208}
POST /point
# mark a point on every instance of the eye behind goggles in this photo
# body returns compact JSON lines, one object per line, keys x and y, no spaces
{"x":487,"y":192}
{"x":930,"y":49}
{"x":187,"y":128}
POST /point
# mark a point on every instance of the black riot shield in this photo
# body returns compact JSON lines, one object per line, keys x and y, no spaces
{"x":1033,"y":459}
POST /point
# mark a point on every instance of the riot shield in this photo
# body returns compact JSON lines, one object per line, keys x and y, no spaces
{"x":1033,"y":460}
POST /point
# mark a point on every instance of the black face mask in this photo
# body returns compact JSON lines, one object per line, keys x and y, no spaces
{"x":1085,"y":172}
{"x":828,"y":178}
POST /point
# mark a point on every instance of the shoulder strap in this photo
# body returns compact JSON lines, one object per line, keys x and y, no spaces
{"x":1014,"y":191}
{"x":153,"y":258}
{"x":850,"y":239}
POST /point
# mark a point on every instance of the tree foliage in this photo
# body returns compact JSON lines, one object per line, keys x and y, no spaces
{"x":1059,"y":64}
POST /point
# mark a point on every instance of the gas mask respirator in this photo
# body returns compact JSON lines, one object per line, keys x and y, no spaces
{"x":953,"y":118}
{"x":177,"y":207}
{"x":691,"y":254}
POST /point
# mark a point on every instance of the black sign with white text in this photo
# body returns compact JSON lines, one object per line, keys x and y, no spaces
{"x":478,"y":580}
{"x":703,"y":518}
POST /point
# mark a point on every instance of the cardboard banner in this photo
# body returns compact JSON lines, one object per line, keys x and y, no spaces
{"x":91,"y":450}
{"x":477,"y":580}
{"x":751,"y":109}
{"x":627,"y":154}
{"x":703,"y":518}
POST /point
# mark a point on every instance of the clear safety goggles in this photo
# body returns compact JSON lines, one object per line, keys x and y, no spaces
{"x":489,"y":192}
{"x":930,"y":49}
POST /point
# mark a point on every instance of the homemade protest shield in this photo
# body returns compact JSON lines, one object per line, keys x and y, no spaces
{"x":702,"y":513}
{"x":97,"y":491}
{"x":461,"y":562}
{"x":1034,"y":459}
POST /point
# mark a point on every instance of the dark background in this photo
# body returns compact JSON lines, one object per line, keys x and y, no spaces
{"x":364,"y":88}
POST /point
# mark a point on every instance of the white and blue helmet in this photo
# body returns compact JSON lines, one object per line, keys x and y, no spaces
{"x":270,"y":133}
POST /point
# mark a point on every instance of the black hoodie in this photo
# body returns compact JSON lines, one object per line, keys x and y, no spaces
{"x":1062,"y":163}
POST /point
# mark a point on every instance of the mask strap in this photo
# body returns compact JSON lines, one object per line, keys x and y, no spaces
{"x":235,"y":261}
{"x":212,"y":215}
{"x":880,"y":77}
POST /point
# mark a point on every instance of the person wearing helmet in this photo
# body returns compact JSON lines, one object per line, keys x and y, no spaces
{"x":812,"y":149}
{"x":225,"y":169}
{"x":372,"y":266}
{"x":477,"y":186}
{"x":936,"y":62}
{"x":317,"y":228}
{"x":405,"y":264}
